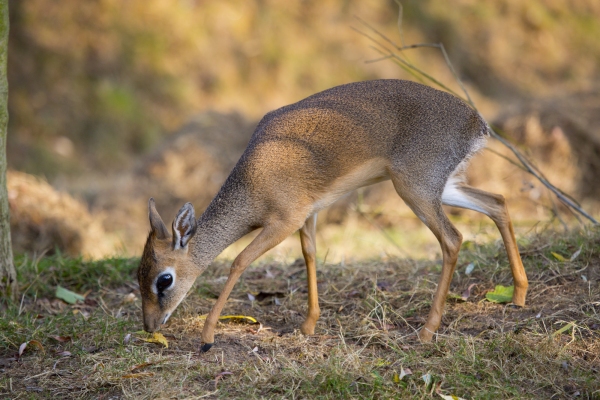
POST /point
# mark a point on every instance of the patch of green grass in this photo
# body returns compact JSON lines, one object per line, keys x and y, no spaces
{"x":41,"y":276}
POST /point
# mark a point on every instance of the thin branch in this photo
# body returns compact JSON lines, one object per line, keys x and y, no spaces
{"x":526,"y":164}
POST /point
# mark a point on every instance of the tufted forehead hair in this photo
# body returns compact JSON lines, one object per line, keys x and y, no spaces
{"x":149,"y":257}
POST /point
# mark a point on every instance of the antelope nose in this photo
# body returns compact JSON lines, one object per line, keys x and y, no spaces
{"x":149,"y":326}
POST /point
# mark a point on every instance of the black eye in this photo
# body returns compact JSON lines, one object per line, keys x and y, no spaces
{"x":163,"y":282}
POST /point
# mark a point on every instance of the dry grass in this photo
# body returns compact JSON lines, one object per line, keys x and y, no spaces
{"x":370,"y":311}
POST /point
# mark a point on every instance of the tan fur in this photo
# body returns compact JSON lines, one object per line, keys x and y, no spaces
{"x":303,"y":157}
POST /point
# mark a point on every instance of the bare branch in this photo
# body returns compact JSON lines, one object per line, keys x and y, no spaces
{"x":523,"y":162}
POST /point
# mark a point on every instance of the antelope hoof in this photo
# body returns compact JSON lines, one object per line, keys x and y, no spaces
{"x":425,"y":335}
{"x":206,"y":347}
{"x":519,"y":297}
{"x":307,"y":329}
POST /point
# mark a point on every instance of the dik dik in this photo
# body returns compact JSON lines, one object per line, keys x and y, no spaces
{"x":303,"y":157}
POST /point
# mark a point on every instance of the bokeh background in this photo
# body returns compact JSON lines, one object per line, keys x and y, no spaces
{"x":114,"y":101}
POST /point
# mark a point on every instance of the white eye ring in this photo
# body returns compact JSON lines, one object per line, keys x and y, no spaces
{"x":167,"y":271}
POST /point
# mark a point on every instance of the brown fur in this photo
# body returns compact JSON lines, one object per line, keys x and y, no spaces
{"x":304,"y":156}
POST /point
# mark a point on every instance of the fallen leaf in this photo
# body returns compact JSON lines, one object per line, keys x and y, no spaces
{"x":576,"y":254}
{"x":67,"y":295}
{"x":467,"y":293}
{"x":138,"y":375}
{"x":404,"y":372}
{"x":61,"y":339}
{"x":558,"y":257}
{"x":144,"y":365}
{"x":157,"y":338}
{"x":127,"y":338}
{"x":22,"y":348}
{"x":251,"y":297}
{"x":501,"y":294}
{"x":428,"y":379}
{"x":130,"y":298}
{"x":34,"y":343}
{"x":469,"y":269}
{"x":236,"y":318}
{"x":63,"y":353}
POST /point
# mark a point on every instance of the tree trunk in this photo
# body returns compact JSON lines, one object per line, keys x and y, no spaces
{"x":8,"y":275}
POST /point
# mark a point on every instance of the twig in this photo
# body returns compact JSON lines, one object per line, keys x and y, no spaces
{"x":525,"y":163}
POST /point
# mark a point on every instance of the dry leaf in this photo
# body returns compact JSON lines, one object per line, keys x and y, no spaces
{"x":404,"y":372}
{"x":34,"y":343}
{"x":144,"y":365}
{"x":237,"y":318}
{"x":61,"y":339}
{"x":558,"y":257}
{"x":467,"y":293}
{"x":576,"y":254}
{"x":469,"y":269}
{"x":157,"y":338}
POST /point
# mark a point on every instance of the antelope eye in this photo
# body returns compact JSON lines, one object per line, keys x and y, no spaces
{"x":163,"y":282}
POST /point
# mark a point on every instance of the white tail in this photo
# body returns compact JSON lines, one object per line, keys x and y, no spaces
{"x":303,"y":157}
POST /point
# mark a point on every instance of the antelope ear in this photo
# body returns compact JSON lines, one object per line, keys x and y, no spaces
{"x":156,"y":223}
{"x":184,"y":226}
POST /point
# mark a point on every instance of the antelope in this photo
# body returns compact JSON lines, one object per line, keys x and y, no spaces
{"x":303,"y":157}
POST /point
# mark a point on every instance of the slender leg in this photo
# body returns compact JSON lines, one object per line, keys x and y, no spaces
{"x":450,"y":240}
{"x":494,"y":206}
{"x":428,"y":208}
{"x":268,"y":238}
{"x":309,"y":249}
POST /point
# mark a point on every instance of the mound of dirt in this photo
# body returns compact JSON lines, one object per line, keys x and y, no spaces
{"x":45,"y":220}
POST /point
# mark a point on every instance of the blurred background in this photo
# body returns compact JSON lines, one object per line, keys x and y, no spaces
{"x":114,"y":101}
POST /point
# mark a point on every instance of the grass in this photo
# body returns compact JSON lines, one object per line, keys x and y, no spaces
{"x":365,"y":338}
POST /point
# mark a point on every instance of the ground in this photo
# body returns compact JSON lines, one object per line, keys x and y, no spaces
{"x":365,"y":344}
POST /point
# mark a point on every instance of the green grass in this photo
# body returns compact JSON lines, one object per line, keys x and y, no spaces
{"x":364,"y":339}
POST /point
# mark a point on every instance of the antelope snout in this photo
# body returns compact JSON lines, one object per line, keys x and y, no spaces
{"x":150,"y":325}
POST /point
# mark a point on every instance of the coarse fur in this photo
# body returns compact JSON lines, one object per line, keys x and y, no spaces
{"x":303,"y":157}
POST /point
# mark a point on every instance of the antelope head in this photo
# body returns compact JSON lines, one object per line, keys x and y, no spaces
{"x":166,"y":271}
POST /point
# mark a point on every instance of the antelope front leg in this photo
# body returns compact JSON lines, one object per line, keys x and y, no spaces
{"x":309,"y":249}
{"x":270,"y":236}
